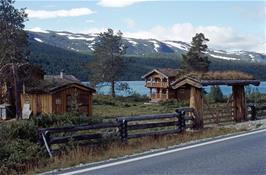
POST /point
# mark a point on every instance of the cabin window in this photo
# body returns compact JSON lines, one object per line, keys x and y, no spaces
{"x":69,"y":103}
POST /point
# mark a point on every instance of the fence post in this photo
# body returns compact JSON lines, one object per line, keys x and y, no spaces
{"x":123,"y":130}
{"x":46,"y":140}
{"x":181,"y":119}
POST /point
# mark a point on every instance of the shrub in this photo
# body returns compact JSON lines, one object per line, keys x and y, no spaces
{"x":45,"y":121}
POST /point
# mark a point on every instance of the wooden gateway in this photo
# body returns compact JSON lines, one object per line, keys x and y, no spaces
{"x":189,"y":86}
{"x":56,"y":94}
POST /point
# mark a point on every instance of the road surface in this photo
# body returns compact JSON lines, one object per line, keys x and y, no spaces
{"x":241,"y":154}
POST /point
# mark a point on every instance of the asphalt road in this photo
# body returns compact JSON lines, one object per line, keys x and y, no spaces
{"x":239,"y":155}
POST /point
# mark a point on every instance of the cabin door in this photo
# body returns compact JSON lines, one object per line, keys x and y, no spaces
{"x":38,"y":104}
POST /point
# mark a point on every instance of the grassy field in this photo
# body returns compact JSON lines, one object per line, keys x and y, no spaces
{"x":107,"y":107}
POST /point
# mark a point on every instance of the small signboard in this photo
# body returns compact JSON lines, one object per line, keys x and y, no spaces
{"x":26,"y":112}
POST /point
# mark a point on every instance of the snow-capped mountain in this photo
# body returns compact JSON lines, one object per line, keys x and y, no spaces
{"x":84,"y":43}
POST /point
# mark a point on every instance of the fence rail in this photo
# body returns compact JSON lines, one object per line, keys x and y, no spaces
{"x":123,"y":128}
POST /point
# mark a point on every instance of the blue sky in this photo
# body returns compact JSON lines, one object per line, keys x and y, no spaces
{"x":230,"y":25}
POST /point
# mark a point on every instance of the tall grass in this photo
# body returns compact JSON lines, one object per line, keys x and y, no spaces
{"x":80,"y":155}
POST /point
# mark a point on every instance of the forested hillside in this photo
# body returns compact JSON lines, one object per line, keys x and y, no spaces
{"x":54,"y":59}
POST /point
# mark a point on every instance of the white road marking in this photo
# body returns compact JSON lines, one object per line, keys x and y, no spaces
{"x":158,"y":154}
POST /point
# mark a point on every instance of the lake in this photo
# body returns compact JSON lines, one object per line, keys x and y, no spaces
{"x":138,"y":87}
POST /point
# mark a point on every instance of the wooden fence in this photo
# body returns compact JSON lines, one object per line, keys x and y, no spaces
{"x":123,"y":128}
{"x":218,"y":114}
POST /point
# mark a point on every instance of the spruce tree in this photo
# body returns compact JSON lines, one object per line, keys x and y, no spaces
{"x":196,"y":59}
{"x":215,"y":95}
{"x":108,"y":65}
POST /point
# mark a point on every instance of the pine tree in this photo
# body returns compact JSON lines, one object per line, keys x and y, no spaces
{"x":13,"y":52}
{"x":215,"y":94}
{"x":109,"y":63}
{"x":195,"y":59}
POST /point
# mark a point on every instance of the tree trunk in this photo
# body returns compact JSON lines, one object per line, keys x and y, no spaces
{"x":17,"y":92}
{"x":113,"y":88}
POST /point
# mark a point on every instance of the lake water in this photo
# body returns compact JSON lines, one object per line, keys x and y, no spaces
{"x":138,"y":87}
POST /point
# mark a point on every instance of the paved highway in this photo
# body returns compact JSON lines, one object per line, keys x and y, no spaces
{"x":241,"y":154}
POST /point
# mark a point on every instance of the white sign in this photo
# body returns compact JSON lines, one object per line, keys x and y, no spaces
{"x":26,"y":111}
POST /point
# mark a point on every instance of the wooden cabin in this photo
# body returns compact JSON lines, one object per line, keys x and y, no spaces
{"x":159,"y":82}
{"x":55,"y":94}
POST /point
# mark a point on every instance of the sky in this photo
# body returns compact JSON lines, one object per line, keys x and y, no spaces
{"x":229,"y":25}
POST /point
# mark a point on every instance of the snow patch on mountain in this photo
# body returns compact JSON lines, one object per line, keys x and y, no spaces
{"x":219,"y":51}
{"x":156,"y":45}
{"x":91,"y":46}
{"x":177,"y":45}
{"x":38,"y":30}
{"x":223,"y":57}
{"x":62,"y":34}
{"x":134,"y":43}
{"x":80,"y":38}
{"x":38,"y":39}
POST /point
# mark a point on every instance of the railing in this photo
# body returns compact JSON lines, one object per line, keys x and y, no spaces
{"x":218,"y":114}
{"x":157,"y":84}
{"x":123,"y":129}
{"x":158,"y":96}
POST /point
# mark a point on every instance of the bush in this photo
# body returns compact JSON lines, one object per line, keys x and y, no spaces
{"x":118,"y":100}
{"x":256,"y":97}
{"x":67,"y":119}
{"x":19,"y":140}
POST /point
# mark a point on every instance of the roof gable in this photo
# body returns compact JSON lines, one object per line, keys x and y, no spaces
{"x":165,"y":72}
{"x":186,"y":80}
{"x":73,"y":85}
{"x":51,"y":84}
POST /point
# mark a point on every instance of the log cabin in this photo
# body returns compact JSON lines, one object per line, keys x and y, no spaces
{"x":159,"y":82}
{"x":55,"y":94}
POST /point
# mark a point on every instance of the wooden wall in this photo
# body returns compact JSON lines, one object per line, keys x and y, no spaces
{"x":57,"y":103}
{"x":60,"y":100}
{"x":39,"y":103}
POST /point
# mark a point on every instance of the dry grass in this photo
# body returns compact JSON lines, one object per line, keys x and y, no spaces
{"x":81,"y":155}
{"x":219,"y":75}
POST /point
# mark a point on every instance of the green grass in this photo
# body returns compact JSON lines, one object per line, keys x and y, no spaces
{"x":107,"y":107}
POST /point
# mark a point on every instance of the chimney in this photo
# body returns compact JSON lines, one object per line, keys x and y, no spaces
{"x":62,"y":74}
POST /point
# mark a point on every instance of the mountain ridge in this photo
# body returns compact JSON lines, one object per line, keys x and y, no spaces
{"x":56,"y":52}
{"x":83,"y":43}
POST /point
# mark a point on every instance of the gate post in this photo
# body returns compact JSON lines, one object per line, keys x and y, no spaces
{"x":239,"y":103}
{"x":196,"y":102}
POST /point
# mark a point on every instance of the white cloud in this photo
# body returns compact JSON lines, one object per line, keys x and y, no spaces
{"x":130,"y":22}
{"x":45,"y":14}
{"x":94,"y":30}
{"x":118,"y":3}
{"x":220,"y":37}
